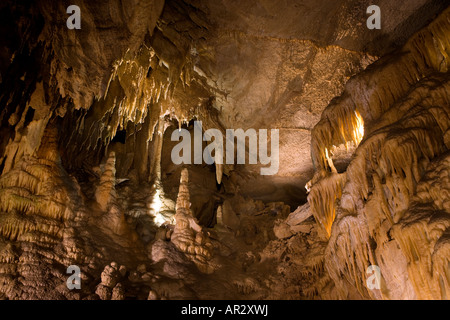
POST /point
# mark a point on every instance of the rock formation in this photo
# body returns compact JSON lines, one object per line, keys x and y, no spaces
{"x":406,"y":123}
{"x":88,"y":181}
{"x":188,"y":235}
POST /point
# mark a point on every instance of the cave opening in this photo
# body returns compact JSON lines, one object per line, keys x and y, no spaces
{"x":121,"y":136}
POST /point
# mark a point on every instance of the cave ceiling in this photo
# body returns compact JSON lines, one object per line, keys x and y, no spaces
{"x":86,"y":117}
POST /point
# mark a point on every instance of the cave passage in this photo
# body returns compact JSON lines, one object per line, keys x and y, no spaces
{"x":224,"y":150}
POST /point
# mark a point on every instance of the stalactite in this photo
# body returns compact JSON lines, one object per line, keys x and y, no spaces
{"x":383,"y":201}
{"x":423,"y":232}
{"x":322,"y":198}
{"x":219,"y":173}
{"x":425,"y":53}
{"x":381,"y":181}
{"x":405,"y":120}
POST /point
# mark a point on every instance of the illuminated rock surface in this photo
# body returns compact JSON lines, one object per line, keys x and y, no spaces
{"x":86,"y":176}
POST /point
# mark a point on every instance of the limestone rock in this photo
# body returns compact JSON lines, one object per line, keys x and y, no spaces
{"x":118,"y":292}
{"x":299,"y":215}
{"x":87,"y":175}
{"x":152,"y":295}
{"x":229,"y":217}
{"x":103,"y":292}
{"x":188,"y":236}
{"x":282,"y":230}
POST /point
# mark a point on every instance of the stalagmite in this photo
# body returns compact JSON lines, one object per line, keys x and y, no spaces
{"x":188,"y":236}
{"x":105,"y":193}
{"x":91,"y":192}
{"x":106,"y":197}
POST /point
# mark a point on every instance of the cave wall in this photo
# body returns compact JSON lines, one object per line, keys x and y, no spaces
{"x":86,"y":177}
{"x":376,"y":212}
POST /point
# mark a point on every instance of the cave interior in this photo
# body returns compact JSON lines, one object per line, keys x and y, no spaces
{"x":355,"y":122}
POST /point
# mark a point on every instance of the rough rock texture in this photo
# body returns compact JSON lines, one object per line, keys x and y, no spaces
{"x":187,"y":235}
{"x":383,"y":211}
{"x":87,"y":179}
